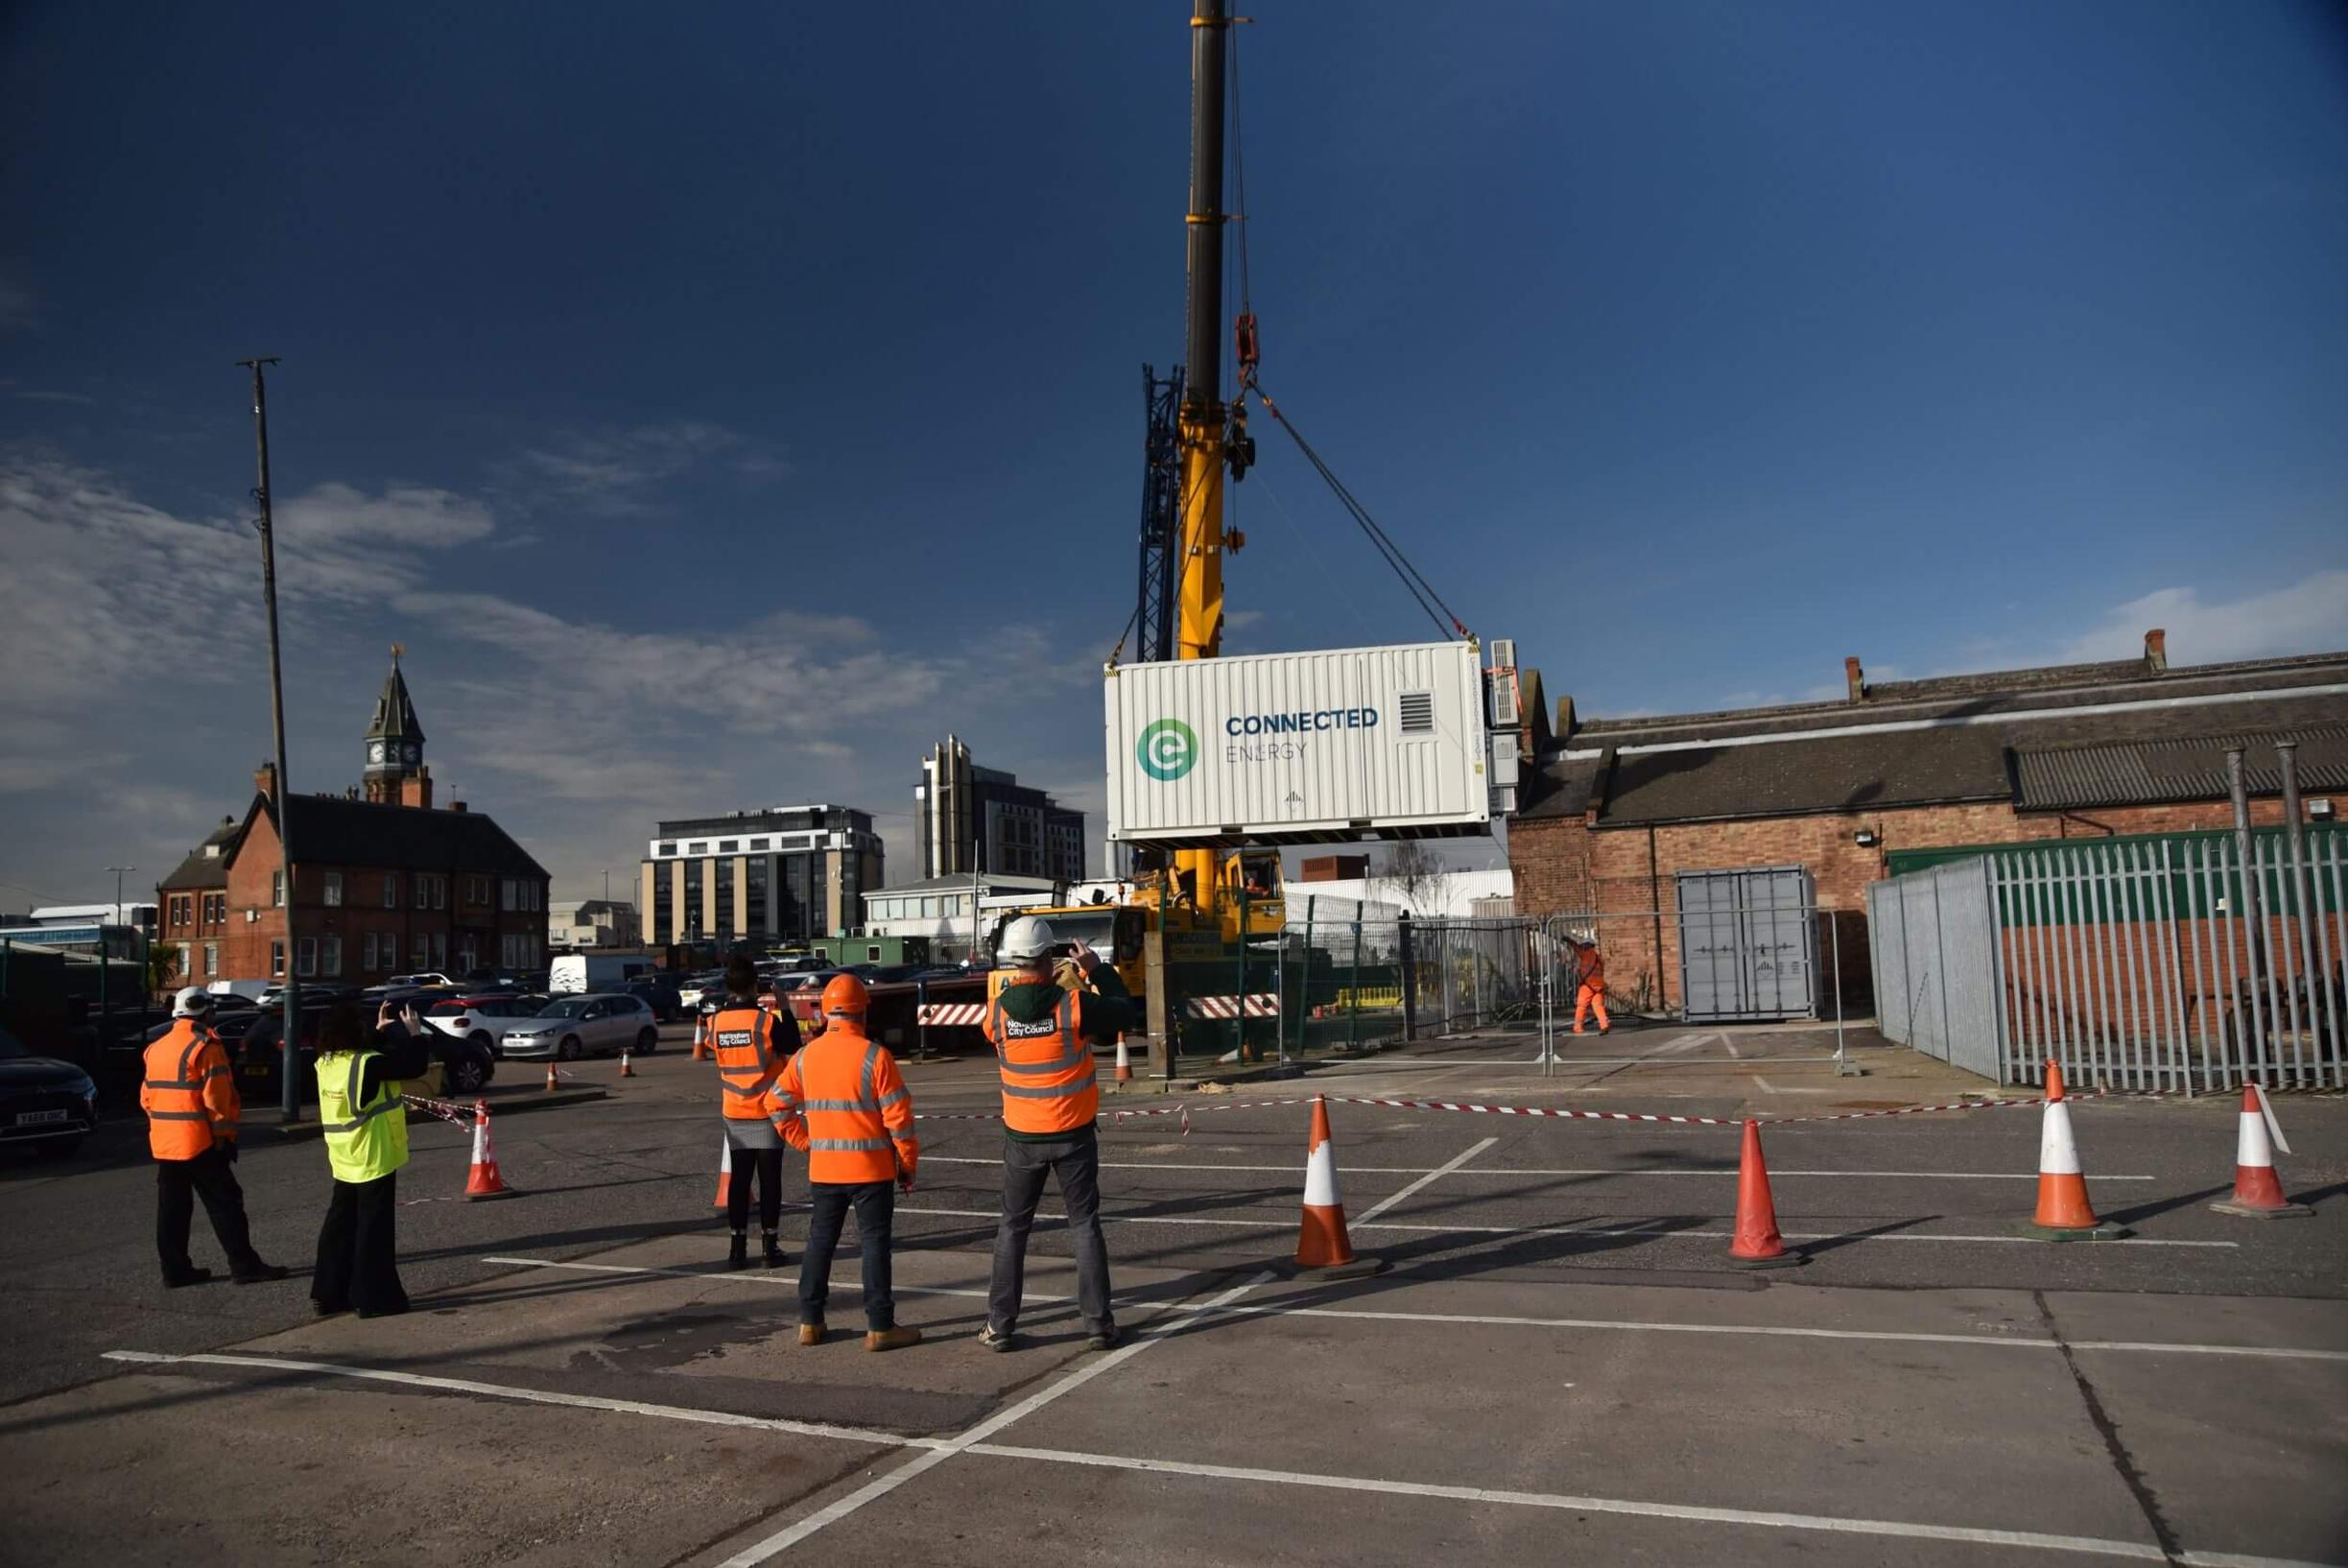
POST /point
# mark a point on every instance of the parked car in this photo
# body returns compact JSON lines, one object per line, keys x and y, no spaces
{"x":661,"y":995}
{"x":573,"y":1025}
{"x":466,"y":1065}
{"x":696,"y":990}
{"x":891,"y":974}
{"x":274,"y":996}
{"x":481,"y":1018}
{"x":45,"y":1103}
{"x":422,"y":977}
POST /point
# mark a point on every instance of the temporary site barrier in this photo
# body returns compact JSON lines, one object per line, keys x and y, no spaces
{"x":2160,"y":965}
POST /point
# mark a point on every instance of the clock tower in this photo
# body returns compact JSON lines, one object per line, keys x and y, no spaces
{"x":395,"y":773}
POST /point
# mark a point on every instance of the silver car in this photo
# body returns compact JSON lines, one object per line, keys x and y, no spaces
{"x":573,"y":1025}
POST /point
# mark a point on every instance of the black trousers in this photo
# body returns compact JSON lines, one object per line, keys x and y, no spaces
{"x":768,"y":1164}
{"x":1075,"y":1162}
{"x":875,"y":1204}
{"x":177,"y":1184}
{"x":357,"y":1266}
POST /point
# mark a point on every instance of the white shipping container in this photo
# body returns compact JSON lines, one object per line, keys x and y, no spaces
{"x":1314,"y":748}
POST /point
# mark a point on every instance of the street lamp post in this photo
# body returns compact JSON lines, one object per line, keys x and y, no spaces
{"x":289,"y":1101}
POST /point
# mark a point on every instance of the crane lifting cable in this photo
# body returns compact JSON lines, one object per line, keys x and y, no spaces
{"x":1412,"y":578}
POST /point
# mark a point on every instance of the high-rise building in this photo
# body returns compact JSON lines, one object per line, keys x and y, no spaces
{"x":962,"y":810}
{"x":759,"y":877}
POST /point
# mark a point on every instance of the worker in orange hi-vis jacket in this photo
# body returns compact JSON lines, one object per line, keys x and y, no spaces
{"x":841,"y":1100}
{"x":1590,"y":981}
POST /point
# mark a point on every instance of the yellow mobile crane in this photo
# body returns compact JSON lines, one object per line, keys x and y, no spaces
{"x":1195,"y":443}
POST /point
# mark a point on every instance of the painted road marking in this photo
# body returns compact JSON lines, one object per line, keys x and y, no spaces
{"x":782,"y":1540}
{"x":2036,"y":1540}
{"x":936,"y":1451}
{"x":1276,"y":1309}
{"x":534,"y":1396}
{"x":1296,"y":1166}
{"x":1443,"y":1170}
{"x":1551,"y":1230}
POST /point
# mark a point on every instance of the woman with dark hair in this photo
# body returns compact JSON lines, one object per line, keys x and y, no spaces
{"x":365,"y":1130}
{"x":751,"y":1053}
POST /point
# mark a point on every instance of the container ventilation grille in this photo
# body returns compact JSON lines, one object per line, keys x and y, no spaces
{"x":1417,"y":712}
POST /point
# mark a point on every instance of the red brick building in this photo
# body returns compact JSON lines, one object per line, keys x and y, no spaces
{"x":1617,"y":808}
{"x":383,"y":882}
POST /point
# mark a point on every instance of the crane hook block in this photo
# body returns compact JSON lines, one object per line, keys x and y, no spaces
{"x":1246,"y":348}
{"x":1234,"y":540}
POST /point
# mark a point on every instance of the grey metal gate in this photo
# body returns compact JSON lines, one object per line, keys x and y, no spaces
{"x":1748,"y":944}
{"x":1933,"y":941}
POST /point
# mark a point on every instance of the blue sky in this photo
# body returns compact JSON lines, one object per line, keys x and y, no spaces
{"x":723,"y":404}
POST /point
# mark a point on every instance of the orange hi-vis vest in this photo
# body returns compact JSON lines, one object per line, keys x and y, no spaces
{"x":189,"y":1092}
{"x":842,"y":1101}
{"x":747,"y":1061}
{"x":1048,"y":1082}
{"x":1593,"y":967}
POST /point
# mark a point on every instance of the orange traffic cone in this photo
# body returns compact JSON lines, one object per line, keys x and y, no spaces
{"x":1323,"y":1249}
{"x":484,"y":1180}
{"x":725,"y":1170}
{"x":2064,"y":1214}
{"x":554,"y":1079}
{"x":1124,"y":1062}
{"x":626,"y":1071}
{"x":1757,"y":1244}
{"x":2258,"y":1195}
{"x":701,"y":1039}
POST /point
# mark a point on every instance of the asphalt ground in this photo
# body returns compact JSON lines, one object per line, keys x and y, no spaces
{"x":1558,"y":1362}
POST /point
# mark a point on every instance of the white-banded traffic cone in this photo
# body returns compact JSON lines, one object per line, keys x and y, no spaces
{"x":2064,"y":1213}
{"x":2258,"y":1192}
{"x":1124,"y":1062}
{"x":554,"y":1079}
{"x":626,"y":1071}
{"x":726,"y":1171}
{"x":484,"y":1179}
{"x":1323,"y":1248}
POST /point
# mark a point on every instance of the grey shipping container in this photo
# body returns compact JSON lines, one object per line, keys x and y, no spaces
{"x":1748,"y":944}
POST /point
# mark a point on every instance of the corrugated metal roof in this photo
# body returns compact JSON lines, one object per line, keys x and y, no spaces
{"x":2192,"y":768}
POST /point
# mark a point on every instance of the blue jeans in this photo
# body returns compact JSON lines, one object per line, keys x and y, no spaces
{"x":875,"y":1204}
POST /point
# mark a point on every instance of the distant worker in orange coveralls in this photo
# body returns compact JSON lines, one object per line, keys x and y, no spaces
{"x":1590,"y":987}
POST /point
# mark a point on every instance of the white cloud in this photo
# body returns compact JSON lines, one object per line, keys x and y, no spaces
{"x":2310,"y":616}
{"x":613,"y":472}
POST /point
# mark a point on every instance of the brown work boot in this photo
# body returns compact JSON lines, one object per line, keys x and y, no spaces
{"x":892,"y":1339}
{"x":811,"y":1333}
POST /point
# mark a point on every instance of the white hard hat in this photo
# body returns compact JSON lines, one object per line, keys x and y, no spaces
{"x":1027,"y":938}
{"x":192,"y":1002}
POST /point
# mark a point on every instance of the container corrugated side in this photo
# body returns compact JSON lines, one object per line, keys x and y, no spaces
{"x":1307,"y":747}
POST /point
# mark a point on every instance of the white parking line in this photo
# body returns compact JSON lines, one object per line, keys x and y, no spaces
{"x":1439,"y":1171}
{"x":535,"y":1396}
{"x":1553,"y":1231}
{"x":1297,"y":1169}
{"x":936,"y":1451}
{"x":1276,"y":1309}
{"x":1835,"y":1524}
{"x":782,"y":1540}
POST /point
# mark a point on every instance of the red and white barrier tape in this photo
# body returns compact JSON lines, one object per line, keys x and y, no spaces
{"x":1260,"y":1004}
{"x":1565,"y":1114}
{"x":951,"y":1014}
{"x":446,"y":1111}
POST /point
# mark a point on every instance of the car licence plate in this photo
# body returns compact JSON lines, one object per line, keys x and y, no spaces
{"x":256,"y":1069}
{"x":34,"y":1118}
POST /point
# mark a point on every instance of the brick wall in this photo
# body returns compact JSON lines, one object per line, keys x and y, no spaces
{"x":1629,"y":875}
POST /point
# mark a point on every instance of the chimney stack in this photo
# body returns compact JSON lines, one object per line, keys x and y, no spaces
{"x":265,"y":779}
{"x":456,"y":806}
{"x":2156,"y":651}
{"x":415,"y":790}
{"x":1855,"y":679}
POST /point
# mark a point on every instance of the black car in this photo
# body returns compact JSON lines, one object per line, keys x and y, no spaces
{"x":46,"y":1104}
{"x":466,"y":1065}
{"x":659,"y":993}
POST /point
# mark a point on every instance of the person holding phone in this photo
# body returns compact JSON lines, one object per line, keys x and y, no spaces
{"x":366,"y":1129}
{"x":841,"y":1100}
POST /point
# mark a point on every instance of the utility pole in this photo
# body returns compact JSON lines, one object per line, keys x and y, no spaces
{"x":289,"y":1099}
{"x":118,"y":870}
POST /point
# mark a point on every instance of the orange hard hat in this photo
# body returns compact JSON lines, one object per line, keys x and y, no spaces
{"x":844,"y":997}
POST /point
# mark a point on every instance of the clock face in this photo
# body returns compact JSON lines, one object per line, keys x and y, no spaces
{"x":415,"y":754}
{"x":374,"y":751}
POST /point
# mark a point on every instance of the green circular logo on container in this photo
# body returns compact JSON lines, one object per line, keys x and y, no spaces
{"x":1167,"y":750}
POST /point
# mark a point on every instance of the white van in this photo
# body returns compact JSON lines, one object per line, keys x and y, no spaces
{"x":579,"y":973}
{"x":251,"y":991}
